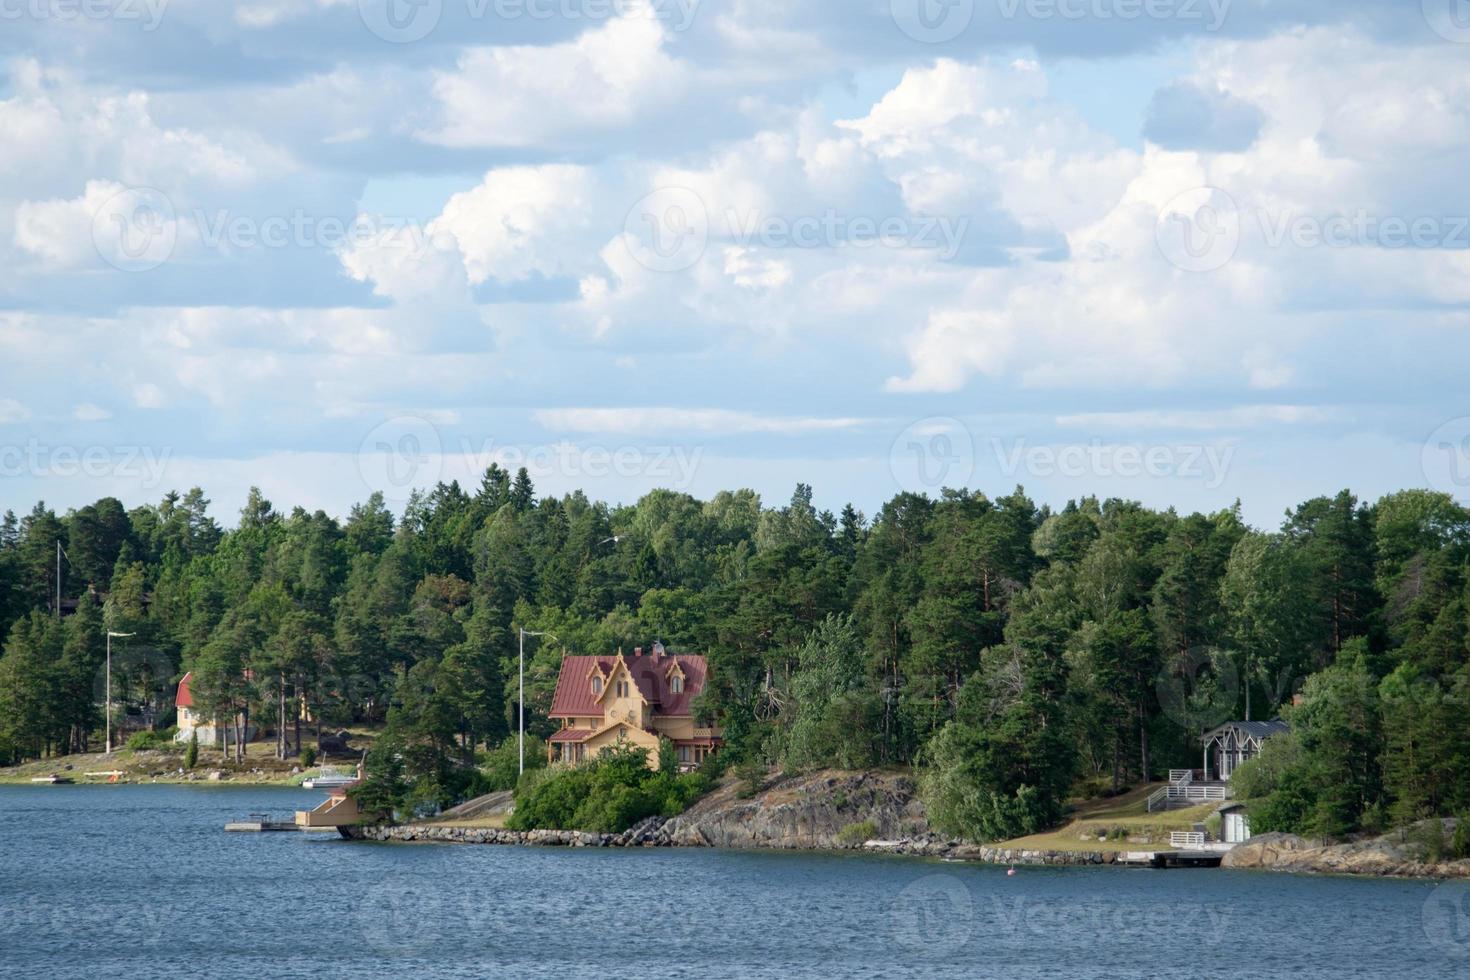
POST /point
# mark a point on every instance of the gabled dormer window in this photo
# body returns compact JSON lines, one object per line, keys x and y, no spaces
{"x":622,"y":689}
{"x":676,"y":684}
{"x":596,"y":685}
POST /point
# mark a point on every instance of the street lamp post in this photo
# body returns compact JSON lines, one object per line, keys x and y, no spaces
{"x":521,"y":737}
{"x":108,"y":710}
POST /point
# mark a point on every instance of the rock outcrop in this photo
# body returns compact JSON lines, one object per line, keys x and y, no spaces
{"x":806,"y":812}
{"x":1398,"y":854}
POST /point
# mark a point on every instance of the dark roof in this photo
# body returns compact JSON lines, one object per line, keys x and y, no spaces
{"x":652,"y":673}
{"x":1255,"y":729}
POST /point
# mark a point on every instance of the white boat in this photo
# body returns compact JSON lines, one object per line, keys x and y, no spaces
{"x":328,"y":779}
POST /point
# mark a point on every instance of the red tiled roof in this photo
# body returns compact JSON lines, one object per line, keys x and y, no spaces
{"x":571,"y":735}
{"x":184,"y":699}
{"x":574,"y":697}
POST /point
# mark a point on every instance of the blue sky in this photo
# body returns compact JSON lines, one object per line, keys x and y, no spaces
{"x":1183,"y":251}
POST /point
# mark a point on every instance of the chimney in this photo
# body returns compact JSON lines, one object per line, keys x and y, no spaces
{"x":658,"y":648}
{"x":637,"y":651}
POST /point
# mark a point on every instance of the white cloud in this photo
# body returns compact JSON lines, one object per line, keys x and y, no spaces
{"x":656,"y":421}
{"x":87,"y":412}
{"x":605,"y":79}
{"x":13,"y":411}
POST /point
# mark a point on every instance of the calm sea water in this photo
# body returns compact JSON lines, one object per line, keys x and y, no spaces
{"x":141,"y":881}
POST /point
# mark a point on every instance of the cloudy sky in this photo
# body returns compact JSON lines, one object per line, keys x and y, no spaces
{"x":1184,"y":251}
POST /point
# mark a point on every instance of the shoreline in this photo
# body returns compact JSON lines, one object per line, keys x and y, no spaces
{"x":646,"y":835}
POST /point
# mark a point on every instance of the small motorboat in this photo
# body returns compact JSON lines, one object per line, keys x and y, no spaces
{"x":54,"y":779}
{"x":329,"y":779}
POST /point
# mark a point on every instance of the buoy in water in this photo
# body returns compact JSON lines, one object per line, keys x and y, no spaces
{"x":1011,"y":873}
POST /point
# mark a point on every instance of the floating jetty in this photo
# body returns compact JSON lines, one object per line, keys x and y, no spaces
{"x":51,"y":780}
{"x":1171,"y":859}
{"x":260,"y":823}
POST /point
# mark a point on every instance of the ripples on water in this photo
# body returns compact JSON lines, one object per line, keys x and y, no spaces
{"x":141,"y":881}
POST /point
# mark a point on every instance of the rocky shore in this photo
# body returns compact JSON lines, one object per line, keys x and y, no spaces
{"x":1397,"y":854}
{"x":873,"y":812}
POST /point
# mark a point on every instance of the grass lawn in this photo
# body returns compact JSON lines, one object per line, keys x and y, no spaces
{"x":1126,"y":812}
{"x":162,"y":766}
{"x":495,"y":822}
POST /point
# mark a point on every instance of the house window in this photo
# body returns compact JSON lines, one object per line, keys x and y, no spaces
{"x":684,"y":754}
{"x":677,"y":684}
{"x":597,"y":685}
{"x":622,"y":689}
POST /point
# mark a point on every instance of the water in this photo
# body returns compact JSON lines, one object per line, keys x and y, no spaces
{"x":134,"y":881}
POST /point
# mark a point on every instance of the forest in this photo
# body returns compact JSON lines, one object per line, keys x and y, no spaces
{"x":1013,"y":655}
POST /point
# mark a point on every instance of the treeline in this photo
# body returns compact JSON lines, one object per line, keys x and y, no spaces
{"x":1014,"y":653}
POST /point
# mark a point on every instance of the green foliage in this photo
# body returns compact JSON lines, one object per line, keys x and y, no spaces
{"x":148,"y":739}
{"x":856,"y":834}
{"x":501,"y":765}
{"x":1013,"y":652}
{"x":191,"y":752}
{"x":1460,"y":845}
{"x":308,"y":757}
{"x":607,"y":794}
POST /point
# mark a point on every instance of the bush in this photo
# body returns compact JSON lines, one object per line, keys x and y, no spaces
{"x":501,"y":765}
{"x":147,"y":740}
{"x":1428,"y":839}
{"x":855,"y":834}
{"x":191,"y":754}
{"x":308,"y":756}
{"x":752,"y":775}
{"x":1460,"y":847}
{"x":607,"y":794}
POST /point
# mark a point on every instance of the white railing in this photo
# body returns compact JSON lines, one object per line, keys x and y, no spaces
{"x":1186,"y":792}
{"x":1181,"y":775}
{"x":1189,"y":840}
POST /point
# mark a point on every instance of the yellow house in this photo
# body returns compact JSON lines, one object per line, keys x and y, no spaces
{"x":603,"y":701}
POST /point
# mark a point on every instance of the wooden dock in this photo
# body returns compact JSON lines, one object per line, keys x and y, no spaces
{"x":260,"y":823}
{"x":1171,"y":859}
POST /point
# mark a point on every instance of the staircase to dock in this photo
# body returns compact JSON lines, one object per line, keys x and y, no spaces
{"x":1183,"y":791}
